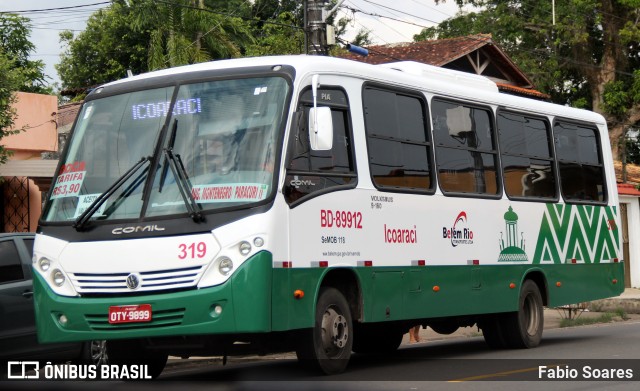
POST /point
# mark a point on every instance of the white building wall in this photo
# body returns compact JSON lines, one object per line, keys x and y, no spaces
{"x":633,"y":217}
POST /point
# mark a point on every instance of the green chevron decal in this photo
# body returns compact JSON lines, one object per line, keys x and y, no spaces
{"x":587,"y":233}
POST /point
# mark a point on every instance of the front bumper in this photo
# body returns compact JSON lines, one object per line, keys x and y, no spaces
{"x":245,"y":300}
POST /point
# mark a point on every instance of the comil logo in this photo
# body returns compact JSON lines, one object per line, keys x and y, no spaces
{"x":459,"y":233}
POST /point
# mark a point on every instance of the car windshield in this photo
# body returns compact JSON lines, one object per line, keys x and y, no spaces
{"x":220,"y":134}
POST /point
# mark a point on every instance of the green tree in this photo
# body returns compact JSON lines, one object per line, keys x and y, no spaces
{"x":104,"y":51}
{"x":11,"y":80}
{"x":16,"y":46}
{"x":187,"y":31}
{"x":589,"y":58}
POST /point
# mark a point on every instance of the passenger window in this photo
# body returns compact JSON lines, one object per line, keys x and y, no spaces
{"x":10,"y":265}
{"x":310,"y":172}
{"x":465,"y":149}
{"x":527,"y":162}
{"x":580,"y":163}
{"x":398,"y":140}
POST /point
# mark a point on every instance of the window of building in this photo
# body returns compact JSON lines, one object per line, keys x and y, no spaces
{"x":528,"y":168}
{"x":466,"y":154}
{"x":398,"y":140}
{"x":580,"y":163}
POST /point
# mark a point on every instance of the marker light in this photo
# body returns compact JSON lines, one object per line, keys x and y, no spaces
{"x":245,"y":248}
{"x":45,"y":264}
{"x":298,"y":294}
{"x":225,"y":265}
{"x":57,"y":277}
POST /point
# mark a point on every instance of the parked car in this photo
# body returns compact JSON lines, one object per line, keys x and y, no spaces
{"x":18,"y":338}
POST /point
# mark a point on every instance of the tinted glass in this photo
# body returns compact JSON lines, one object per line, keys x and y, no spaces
{"x":527,"y":177}
{"x":455,"y":125}
{"x":10,"y":265}
{"x":520,"y":135}
{"x":466,"y":171}
{"x":397,"y":138}
{"x":581,"y":170}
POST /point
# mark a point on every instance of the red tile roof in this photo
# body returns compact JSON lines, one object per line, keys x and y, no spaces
{"x":444,"y":51}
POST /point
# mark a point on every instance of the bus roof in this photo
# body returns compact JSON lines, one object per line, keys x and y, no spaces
{"x":409,"y":74}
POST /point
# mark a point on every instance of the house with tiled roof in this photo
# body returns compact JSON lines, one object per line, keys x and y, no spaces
{"x":476,"y":54}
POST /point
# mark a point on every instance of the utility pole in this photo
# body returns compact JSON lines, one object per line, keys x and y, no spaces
{"x":316,"y":27}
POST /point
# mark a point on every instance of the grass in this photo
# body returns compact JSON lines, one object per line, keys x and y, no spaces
{"x":603,"y":318}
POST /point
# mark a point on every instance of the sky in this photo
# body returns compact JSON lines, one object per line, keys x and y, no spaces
{"x":388,"y":20}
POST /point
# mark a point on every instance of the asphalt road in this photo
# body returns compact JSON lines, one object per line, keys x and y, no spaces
{"x":590,"y":356}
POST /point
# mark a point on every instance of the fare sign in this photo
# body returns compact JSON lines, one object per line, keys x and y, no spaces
{"x":130,"y":313}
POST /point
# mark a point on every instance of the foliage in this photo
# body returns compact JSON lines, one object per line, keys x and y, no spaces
{"x":187,"y":32}
{"x":11,"y":80}
{"x":104,"y":50}
{"x":16,"y":46}
{"x":586,"y":59}
{"x":280,"y":37}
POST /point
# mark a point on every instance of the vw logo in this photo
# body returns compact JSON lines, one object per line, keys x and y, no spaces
{"x":133,"y":281}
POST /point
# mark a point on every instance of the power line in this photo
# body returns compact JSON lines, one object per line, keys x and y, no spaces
{"x":54,"y":9}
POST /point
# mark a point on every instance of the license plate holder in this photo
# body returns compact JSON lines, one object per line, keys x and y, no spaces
{"x":138,"y":313}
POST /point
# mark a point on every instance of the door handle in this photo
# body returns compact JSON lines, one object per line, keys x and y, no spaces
{"x":27,"y":294}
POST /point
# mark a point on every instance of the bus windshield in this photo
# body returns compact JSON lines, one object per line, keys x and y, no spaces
{"x":221,"y":135}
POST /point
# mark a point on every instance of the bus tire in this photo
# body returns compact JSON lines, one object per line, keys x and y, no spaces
{"x":327,"y":346}
{"x":133,"y":352}
{"x":523,"y":329}
{"x":376,"y":340}
{"x":493,"y":331}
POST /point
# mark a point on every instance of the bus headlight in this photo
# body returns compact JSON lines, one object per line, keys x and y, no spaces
{"x":225,"y":265}
{"x":45,"y":264}
{"x":57,"y":277}
{"x":245,"y":248}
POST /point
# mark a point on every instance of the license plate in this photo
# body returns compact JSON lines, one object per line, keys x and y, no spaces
{"x":130,"y":313}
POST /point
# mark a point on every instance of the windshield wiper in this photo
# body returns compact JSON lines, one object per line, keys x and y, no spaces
{"x":184,"y":184}
{"x":95,"y":205}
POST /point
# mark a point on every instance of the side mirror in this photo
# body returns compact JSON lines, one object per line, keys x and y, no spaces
{"x":320,"y":128}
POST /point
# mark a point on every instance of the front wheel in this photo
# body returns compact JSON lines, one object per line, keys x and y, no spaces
{"x":523,"y":329}
{"x":328,"y":345}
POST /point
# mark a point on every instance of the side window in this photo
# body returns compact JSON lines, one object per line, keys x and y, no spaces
{"x":10,"y":265}
{"x":466,"y":154}
{"x":527,"y":159}
{"x":580,"y":162}
{"x":398,"y":140}
{"x":313,"y":172}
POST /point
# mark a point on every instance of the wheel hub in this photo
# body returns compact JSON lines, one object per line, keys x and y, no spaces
{"x":335,"y":331}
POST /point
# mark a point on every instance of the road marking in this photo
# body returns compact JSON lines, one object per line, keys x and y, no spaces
{"x":489,"y":376}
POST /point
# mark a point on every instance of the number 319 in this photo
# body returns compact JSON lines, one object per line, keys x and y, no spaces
{"x":193,"y":250}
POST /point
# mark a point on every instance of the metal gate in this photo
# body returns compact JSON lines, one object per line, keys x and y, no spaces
{"x":15,"y":202}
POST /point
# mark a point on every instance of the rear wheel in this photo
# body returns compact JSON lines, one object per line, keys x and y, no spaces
{"x":328,"y":345}
{"x":493,"y":331}
{"x":523,"y":329}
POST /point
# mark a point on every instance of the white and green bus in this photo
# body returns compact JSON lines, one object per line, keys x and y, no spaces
{"x":320,"y":205}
